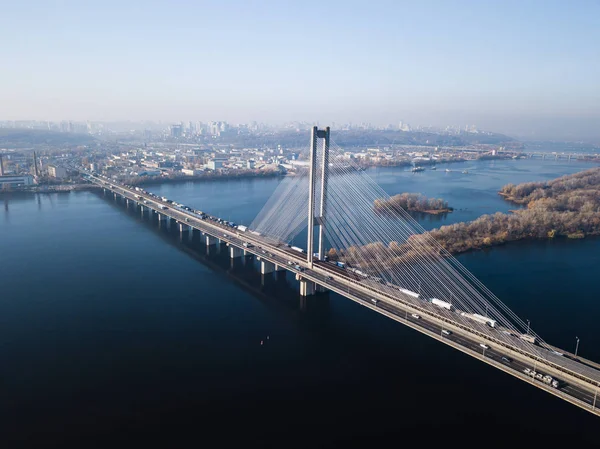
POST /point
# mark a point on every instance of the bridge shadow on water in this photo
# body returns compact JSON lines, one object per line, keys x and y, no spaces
{"x":279,"y":291}
{"x":368,"y":381}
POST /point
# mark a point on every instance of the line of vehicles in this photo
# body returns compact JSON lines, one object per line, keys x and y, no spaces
{"x":435,"y":301}
{"x":547,"y":379}
{"x":339,"y":264}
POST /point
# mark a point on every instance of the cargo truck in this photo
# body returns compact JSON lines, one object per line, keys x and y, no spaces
{"x":409,"y":292}
{"x":442,"y":304}
{"x":480,"y":318}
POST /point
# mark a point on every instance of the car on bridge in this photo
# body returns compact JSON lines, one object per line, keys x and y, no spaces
{"x":414,"y":315}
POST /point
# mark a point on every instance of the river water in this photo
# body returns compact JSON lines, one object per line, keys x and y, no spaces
{"x":113,"y":331}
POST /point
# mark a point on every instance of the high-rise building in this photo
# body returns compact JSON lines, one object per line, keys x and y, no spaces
{"x":1,"y":167}
{"x":176,"y":131}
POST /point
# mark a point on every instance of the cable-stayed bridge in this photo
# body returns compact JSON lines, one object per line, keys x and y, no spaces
{"x":362,"y":248}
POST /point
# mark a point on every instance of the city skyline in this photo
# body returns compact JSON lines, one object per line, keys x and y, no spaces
{"x":340,"y":62}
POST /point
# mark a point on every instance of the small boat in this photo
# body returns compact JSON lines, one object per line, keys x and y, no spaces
{"x":465,"y":172}
{"x":416,"y":169}
{"x":434,"y":168}
{"x":448,"y":170}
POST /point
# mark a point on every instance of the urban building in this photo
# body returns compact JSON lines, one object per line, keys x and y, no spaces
{"x":15,"y":181}
{"x":176,"y":131}
{"x":216,"y":164}
{"x":55,"y":171}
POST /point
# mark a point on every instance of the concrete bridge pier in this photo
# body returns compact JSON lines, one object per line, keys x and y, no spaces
{"x":210,"y":240}
{"x":142,"y":211}
{"x":266,"y":267}
{"x":307,"y":288}
{"x":184,"y":231}
{"x":235,"y":252}
{"x":162,"y":221}
{"x":115,"y":195}
{"x":280,"y":268}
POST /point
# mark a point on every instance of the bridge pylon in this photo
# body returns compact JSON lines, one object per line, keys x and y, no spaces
{"x":317,"y":134}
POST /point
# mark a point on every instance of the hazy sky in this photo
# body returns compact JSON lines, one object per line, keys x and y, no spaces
{"x":522,"y":67}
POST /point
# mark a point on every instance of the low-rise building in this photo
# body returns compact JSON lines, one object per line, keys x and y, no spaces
{"x":14,"y":181}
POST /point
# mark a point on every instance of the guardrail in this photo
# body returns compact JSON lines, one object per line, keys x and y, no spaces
{"x":211,"y":227}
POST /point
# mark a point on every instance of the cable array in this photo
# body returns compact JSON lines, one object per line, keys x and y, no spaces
{"x":387,"y":248}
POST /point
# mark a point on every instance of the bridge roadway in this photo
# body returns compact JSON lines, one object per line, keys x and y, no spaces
{"x":579,"y":383}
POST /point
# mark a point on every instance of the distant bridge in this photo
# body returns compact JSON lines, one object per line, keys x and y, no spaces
{"x":389,"y":265}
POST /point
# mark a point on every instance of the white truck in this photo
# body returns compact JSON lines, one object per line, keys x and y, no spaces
{"x":480,"y":318}
{"x":409,"y":292}
{"x":442,"y":304}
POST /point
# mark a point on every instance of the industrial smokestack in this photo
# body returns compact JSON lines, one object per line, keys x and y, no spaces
{"x":35,"y":164}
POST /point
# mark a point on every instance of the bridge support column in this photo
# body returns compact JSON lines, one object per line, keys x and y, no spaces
{"x":210,"y":240}
{"x":235,"y":252}
{"x":280,"y":268}
{"x":162,"y":221}
{"x":266,"y":267}
{"x":307,"y":288}
{"x":184,"y":230}
{"x":142,"y":210}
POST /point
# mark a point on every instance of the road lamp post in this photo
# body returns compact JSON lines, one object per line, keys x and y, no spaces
{"x":576,"y":346}
{"x":527,"y":327}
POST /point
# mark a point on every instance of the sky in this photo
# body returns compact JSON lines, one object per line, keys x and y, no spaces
{"x":528,"y":68}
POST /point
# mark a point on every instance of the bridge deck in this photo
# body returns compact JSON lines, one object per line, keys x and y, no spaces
{"x":579,"y":382}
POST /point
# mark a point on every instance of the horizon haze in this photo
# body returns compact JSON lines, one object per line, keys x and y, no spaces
{"x":526,"y":69}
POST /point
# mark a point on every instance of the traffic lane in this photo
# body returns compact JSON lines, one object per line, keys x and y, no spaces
{"x":492,"y":354}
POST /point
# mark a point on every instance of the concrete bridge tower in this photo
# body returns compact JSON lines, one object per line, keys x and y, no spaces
{"x":320,"y":219}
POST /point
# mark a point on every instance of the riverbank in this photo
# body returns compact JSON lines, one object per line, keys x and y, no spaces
{"x":59,"y":188}
{"x":202,"y":178}
{"x":567,"y":207}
